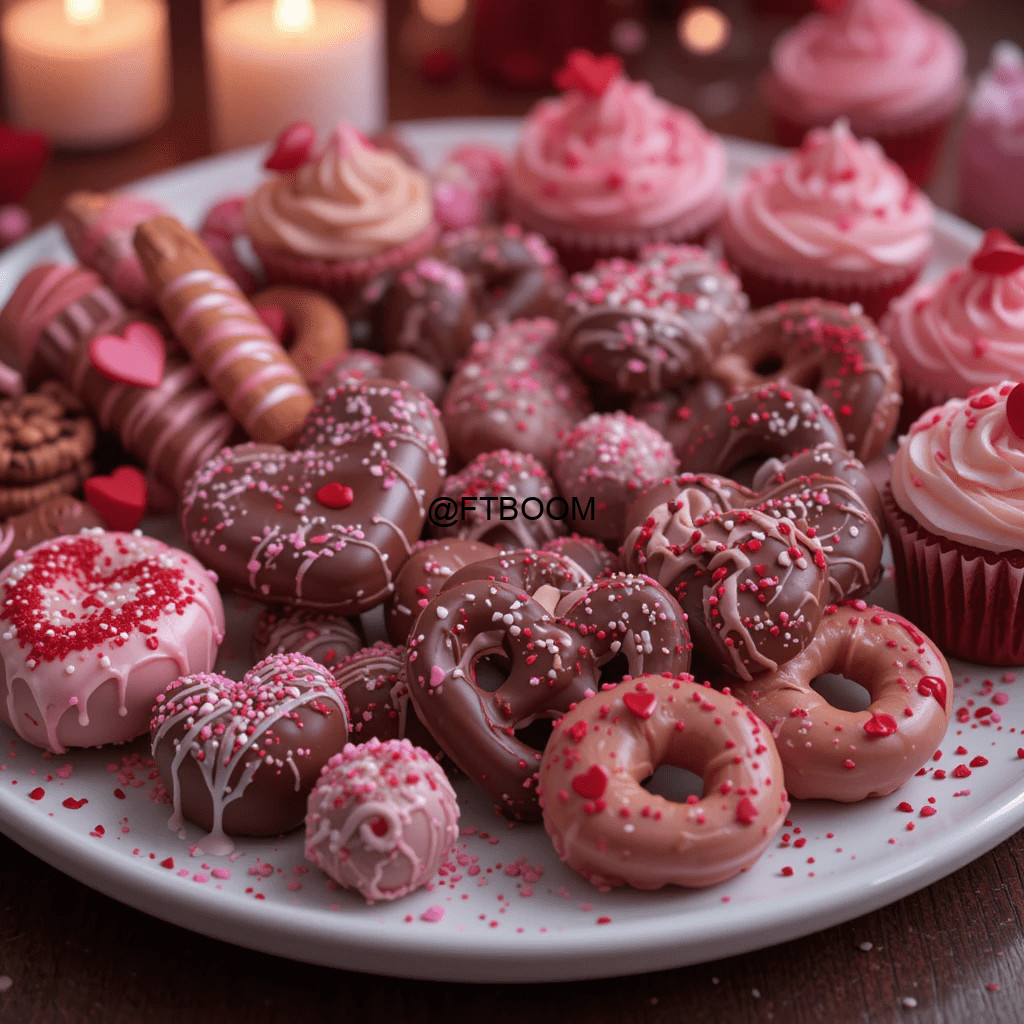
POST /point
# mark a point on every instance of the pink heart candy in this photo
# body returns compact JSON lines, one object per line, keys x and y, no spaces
{"x":135,"y":357}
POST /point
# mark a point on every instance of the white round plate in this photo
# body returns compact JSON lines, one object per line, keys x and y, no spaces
{"x":506,"y":910}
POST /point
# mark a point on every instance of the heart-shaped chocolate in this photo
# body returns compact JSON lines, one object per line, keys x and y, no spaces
{"x":327,"y":525}
{"x":136,"y":356}
{"x":240,"y":758}
{"x":120,"y":498}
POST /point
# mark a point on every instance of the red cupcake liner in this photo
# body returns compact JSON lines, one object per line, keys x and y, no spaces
{"x":968,"y":600}
{"x":764,"y":288}
{"x":916,"y":149}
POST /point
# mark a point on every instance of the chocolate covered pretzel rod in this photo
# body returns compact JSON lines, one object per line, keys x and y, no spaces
{"x":220,"y":330}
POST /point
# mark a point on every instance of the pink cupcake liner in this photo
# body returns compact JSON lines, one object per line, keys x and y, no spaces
{"x":763,"y":288}
{"x":344,"y":280}
{"x":968,"y":600}
{"x":579,"y":249}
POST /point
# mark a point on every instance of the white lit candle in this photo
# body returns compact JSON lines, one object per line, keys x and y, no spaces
{"x":87,"y":73}
{"x":271,"y":62}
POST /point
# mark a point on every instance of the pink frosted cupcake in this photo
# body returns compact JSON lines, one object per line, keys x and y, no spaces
{"x":607,"y":167}
{"x":992,"y":159}
{"x":955,"y":511}
{"x":963,"y":332}
{"x":896,"y":72}
{"x":346,"y":217}
{"x":835,"y":220}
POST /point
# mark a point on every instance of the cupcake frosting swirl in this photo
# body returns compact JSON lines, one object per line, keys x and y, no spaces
{"x":965,"y":331}
{"x":620,"y":160}
{"x":960,"y":472}
{"x":872,"y":60}
{"x":351,"y":202}
{"x":836,"y":203}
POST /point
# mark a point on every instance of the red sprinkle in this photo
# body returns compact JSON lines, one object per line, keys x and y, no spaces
{"x":72,"y":804}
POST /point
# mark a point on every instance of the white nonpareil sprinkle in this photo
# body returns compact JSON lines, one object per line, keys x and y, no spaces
{"x":909,"y":1002}
{"x":867,"y":946}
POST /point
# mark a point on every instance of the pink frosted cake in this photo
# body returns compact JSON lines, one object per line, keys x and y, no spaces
{"x":896,"y":72}
{"x":608,"y":167}
{"x":992,"y":159}
{"x":963,"y":332}
{"x":834,"y":219}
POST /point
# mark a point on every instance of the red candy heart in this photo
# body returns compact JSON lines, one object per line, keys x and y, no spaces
{"x":135,"y":357}
{"x":119,"y":498}
{"x":641,"y":704}
{"x":998,"y":254}
{"x":592,"y":783}
{"x":880,"y":725}
{"x":587,"y":72}
{"x":1015,"y":410}
{"x":335,"y":495}
{"x":292,"y":148}
{"x":22,"y":157}
{"x":932,"y":686}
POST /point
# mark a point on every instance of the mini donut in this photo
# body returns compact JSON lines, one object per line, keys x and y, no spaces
{"x":589,"y":554}
{"x":841,"y":755}
{"x":533,"y":572}
{"x":361,"y":363}
{"x":514,"y":391}
{"x":327,"y":639}
{"x":643,"y":326}
{"x":429,"y":311}
{"x":92,"y":627}
{"x":312,"y":328}
{"x":674,"y":413}
{"x":512,"y":273}
{"x":430,"y":565}
{"x":704,"y":494}
{"x":53,"y":518}
{"x":382,"y":817}
{"x":239,"y":758}
{"x":516,"y":477}
{"x":606,"y":826}
{"x":608,"y":459}
{"x":769,"y":420}
{"x":831,"y":348}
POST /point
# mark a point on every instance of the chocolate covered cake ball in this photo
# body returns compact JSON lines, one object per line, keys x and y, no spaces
{"x":327,"y":639}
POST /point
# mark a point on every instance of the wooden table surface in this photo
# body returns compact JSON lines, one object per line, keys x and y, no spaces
{"x":953,"y":952}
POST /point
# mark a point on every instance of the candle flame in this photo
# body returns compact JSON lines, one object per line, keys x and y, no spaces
{"x":83,"y":12}
{"x":294,"y":15}
{"x":704,"y":30}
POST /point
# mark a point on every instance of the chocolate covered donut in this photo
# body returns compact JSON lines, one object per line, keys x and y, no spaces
{"x":642,"y":326}
{"x":589,"y":554}
{"x":327,"y":639}
{"x":362,"y":364}
{"x":533,"y":572}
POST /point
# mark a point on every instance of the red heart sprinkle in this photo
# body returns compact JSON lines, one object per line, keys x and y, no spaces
{"x":135,"y":357}
{"x":379,"y":827}
{"x":23,"y":154}
{"x":592,"y":783}
{"x":292,"y":148}
{"x":932,"y":686}
{"x":880,"y":724}
{"x":275,"y":320}
{"x":167,"y":862}
{"x":577,"y":731}
{"x":1015,"y":410}
{"x":335,"y":495}
{"x":746,"y":811}
{"x":641,"y":704}
{"x":587,"y":72}
{"x":119,"y":498}
{"x":998,"y":254}
{"x":37,"y":794}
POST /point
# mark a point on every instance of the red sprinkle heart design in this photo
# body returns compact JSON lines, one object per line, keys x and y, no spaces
{"x":641,"y":704}
{"x":1015,"y":410}
{"x":292,"y":148}
{"x":135,"y":357}
{"x":335,"y":495}
{"x":275,"y":319}
{"x":23,"y":155}
{"x":932,"y":686}
{"x":998,"y":254}
{"x":746,"y":811}
{"x":587,"y":72}
{"x":592,"y":783}
{"x":880,"y":725}
{"x":119,"y":498}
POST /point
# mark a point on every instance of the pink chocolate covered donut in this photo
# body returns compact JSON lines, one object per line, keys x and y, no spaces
{"x":611,"y":830}
{"x":381,"y":818}
{"x":92,"y":627}
{"x":833,"y":754}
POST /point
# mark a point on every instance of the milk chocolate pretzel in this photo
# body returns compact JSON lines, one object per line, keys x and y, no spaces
{"x":842,"y":755}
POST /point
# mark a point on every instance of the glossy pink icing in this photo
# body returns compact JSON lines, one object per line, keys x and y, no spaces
{"x":350,"y":202}
{"x":960,"y":472}
{"x":874,"y":61}
{"x":963,"y":332}
{"x":381,"y":819}
{"x":836,"y":208}
{"x":83,"y":691}
{"x":619,"y":161}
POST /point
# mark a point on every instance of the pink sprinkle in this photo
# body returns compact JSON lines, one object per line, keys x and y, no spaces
{"x":183,"y":872}
{"x":5,"y":982}
{"x":436,"y":675}
{"x":14,"y":224}
{"x":1000,"y":698}
{"x":200,"y":877}
{"x":64,"y":771}
{"x":221,"y":873}
{"x":433,"y":914}
{"x":993,"y":986}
